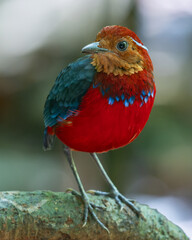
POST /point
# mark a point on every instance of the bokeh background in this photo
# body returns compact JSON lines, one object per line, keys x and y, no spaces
{"x":40,"y":37}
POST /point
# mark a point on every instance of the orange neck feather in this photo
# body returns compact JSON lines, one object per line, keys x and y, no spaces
{"x":110,"y":63}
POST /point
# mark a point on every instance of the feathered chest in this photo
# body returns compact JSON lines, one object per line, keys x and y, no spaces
{"x":112,"y":114}
{"x":136,"y":87}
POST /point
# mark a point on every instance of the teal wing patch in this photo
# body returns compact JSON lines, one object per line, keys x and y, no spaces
{"x":70,"y":86}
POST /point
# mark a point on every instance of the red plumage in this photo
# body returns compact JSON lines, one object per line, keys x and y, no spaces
{"x":99,"y":126}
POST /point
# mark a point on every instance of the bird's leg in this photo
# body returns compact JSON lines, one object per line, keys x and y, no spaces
{"x":88,"y":206}
{"x":114,"y":193}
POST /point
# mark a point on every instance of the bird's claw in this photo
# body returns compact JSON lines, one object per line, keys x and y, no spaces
{"x":72,"y":191}
{"x":120,"y":200}
{"x":89,"y":207}
{"x":96,"y":192}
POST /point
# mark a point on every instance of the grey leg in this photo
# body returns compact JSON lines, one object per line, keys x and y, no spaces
{"x":114,"y":193}
{"x":88,"y":206}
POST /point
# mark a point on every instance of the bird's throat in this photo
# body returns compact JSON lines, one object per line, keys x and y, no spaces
{"x":109,"y":63}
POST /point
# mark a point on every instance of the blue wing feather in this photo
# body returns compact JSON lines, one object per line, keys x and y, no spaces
{"x":70,"y":86}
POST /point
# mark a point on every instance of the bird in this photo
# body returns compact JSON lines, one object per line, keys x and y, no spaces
{"x":101,"y":102}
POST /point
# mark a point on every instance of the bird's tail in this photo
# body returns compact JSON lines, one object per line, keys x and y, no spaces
{"x":48,"y":139}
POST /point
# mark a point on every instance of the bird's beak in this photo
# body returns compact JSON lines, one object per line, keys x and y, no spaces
{"x":93,"y":48}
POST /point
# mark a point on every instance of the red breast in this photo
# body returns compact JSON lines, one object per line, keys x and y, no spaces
{"x":100,"y":126}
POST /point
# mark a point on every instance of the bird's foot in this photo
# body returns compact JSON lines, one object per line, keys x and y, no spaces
{"x":72,"y":191}
{"x":120,"y":200}
{"x":89,"y":208}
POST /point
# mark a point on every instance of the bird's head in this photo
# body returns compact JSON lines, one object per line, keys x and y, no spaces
{"x":118,"y":50}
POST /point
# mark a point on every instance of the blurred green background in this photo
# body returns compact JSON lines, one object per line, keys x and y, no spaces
{"x":40,"y":37}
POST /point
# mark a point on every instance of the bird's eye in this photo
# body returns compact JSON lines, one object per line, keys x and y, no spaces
{"x":122,"y":46}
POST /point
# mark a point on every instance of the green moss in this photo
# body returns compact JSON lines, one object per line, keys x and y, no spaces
{"x":49,"y":215}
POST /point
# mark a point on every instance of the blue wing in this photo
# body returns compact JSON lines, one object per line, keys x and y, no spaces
{"x":70,"y":86}
{"x":65,"y":96}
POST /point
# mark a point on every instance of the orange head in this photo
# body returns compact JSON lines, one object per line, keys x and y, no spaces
{"x":119,"y":51}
